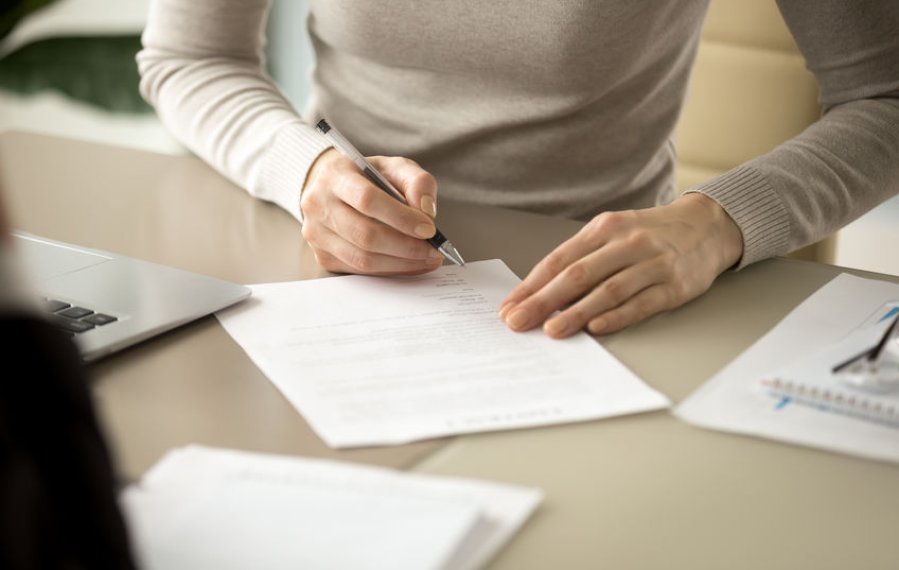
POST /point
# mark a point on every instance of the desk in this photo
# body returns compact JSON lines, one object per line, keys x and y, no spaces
{"x":642,"y":491}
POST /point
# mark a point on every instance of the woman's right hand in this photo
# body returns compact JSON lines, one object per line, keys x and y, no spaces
{"x":355,"y":227}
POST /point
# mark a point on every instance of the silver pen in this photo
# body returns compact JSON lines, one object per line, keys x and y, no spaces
{"x":438,"y":241}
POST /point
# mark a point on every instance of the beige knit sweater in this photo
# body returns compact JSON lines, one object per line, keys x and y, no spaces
{"x":564,"y":107}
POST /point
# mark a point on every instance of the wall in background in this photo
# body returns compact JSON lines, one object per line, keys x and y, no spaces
{"x":872,"y":241}
{"x":289,"y":51}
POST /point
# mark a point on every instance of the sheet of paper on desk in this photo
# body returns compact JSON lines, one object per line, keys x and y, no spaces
{"x":733,"y":399}
{"x":214,"y":508}
{"x":372,"y":361}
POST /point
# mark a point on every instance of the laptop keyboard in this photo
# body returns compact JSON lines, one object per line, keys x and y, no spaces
{"x":74,"y":319}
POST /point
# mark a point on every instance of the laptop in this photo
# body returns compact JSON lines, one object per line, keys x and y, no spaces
{"x":107,"y":302}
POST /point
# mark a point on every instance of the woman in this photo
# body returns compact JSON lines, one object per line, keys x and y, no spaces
{"x":564,"y":108}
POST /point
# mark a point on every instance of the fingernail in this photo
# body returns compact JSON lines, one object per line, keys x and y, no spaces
{"x":557,"y":327}
{"x":428,"y":206}
{"x":434,"y":254}
{"x":596,"y":326}
{"x":518,"y":319}
{"x":424,"y":230}
{"x":504,"y":310}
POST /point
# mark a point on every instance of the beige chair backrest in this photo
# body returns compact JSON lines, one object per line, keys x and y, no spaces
{"x":749,"y":92}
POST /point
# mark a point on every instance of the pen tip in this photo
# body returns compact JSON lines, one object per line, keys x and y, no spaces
{"x":452,"y":254}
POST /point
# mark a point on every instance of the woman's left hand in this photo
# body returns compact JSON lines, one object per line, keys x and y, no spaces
{"x":623,"y":267}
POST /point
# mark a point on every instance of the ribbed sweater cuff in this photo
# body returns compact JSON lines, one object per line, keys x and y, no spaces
{"x":286,"y":165}
{"x":758,"y":211}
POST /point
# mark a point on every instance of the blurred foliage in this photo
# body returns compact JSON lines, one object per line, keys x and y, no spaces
{"x":98,"y":70}
{"x":11,"y":11}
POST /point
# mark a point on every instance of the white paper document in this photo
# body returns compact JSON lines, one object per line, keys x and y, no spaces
{"x":372,"y":361}
{"x":735,"y":399}
{"x":212,"y":508}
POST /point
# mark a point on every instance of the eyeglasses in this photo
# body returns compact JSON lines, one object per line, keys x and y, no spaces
{"x":877,"y":368}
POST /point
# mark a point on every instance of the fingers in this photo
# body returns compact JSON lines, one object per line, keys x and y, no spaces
{"x":357,"y":191}
{"x":590,"y":238}
{"x":354,"y":226}
{"x":371,"y":236}
{"x":621,"y":289}
{"x":417,"y":185}
{"x":646,"y":303}
{"x":340,"y":256}
{"x":624,"y":267}
{"x":574,"y":281}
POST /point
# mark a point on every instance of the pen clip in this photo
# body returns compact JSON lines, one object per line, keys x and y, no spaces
{"x":341,"y":143}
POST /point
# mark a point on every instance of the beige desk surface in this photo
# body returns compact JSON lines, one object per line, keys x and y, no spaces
{"x":642,"y":491}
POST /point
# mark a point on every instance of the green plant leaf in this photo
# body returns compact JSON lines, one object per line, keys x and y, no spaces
{"x":98,"y":70}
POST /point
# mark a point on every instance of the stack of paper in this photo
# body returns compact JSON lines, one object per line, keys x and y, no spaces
{"x":374,"y":361}
{"x":209,"y":508}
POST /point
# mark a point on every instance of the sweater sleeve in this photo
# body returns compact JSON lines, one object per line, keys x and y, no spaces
{"x":202,"y":68}
{"x":845,"y":163}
